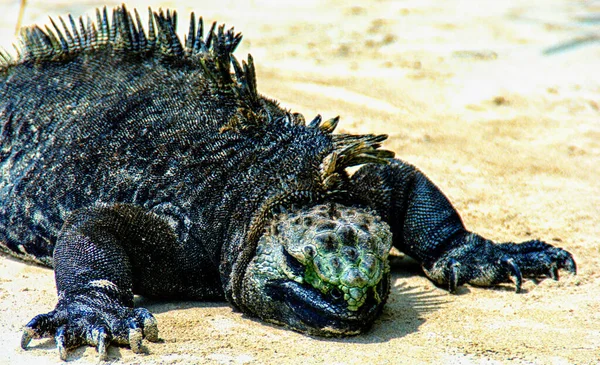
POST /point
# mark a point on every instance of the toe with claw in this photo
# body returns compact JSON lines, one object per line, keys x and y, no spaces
{"x":480,"y":262}
{"x":77,"y":322}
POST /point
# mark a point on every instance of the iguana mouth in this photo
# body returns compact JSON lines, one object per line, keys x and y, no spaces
{"x":323,"y":314}
{"x":326,"y":314}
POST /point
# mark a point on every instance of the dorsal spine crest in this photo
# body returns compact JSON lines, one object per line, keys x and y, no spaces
{"x":212,"y":52}
{"x":125,"y":36}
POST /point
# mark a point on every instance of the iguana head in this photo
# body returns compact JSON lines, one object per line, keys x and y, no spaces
{"x":321,"y":270}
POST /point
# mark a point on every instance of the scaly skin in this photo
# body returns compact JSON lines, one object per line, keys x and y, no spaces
{"x":134,"y":164}
{"x":344,"y":251}
{"x":337,"y":254}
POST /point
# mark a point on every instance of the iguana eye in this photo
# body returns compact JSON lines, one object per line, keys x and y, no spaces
{"x":295,"y":266}
{"x":336,"y":293}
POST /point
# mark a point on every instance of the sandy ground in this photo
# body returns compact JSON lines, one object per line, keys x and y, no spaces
{"x":489,"y":98}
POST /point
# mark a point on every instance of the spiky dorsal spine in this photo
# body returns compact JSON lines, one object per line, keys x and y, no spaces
{"x":348,"y":150}
{"x":124,"y":35}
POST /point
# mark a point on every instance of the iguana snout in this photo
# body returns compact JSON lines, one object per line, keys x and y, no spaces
{"x":343,"y":250}
{"x":328,"y":264}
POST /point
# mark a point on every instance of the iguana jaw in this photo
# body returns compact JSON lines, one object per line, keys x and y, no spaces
{"x":312,"y":312}
{"x":321,"y":270}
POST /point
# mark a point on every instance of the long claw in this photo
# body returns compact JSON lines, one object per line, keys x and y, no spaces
{"x":28,"y":334}
{"x":72,"y":324}
{"x":61,"y":343}
{"x":102,"y":345}
{"x":514,"y":272}
{"x":135,"y":339}
{"x":554,"y":271}
{"x":37,"y":327}
{"x":99,"y":337}
{"x":102,"y":354}
{"x":454,"y":267}
{"x":482,"y":263}
{"x":570,"y":265}
{"x":149,"y":324}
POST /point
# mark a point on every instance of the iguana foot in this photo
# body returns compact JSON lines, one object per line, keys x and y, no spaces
{"x":482,"y":263}
{"x":92,"y":320}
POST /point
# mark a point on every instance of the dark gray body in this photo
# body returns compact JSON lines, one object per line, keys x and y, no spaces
{"x":162,"y":153}
{"x":134,"y":164}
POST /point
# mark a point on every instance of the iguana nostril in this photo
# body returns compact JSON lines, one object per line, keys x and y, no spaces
{"x":278,"y":229}
{"x":309,"y":250}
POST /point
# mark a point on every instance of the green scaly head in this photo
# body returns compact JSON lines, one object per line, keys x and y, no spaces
{"x":322,"y":270}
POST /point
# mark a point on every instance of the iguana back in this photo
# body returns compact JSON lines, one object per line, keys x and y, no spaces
{"x":147,"y":122}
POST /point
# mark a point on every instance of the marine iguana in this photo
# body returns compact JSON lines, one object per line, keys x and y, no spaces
{"x":133,"y":163}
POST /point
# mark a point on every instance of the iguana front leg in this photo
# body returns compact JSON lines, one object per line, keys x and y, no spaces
{"x":426,"y":226}
{"x":101,"y":255}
